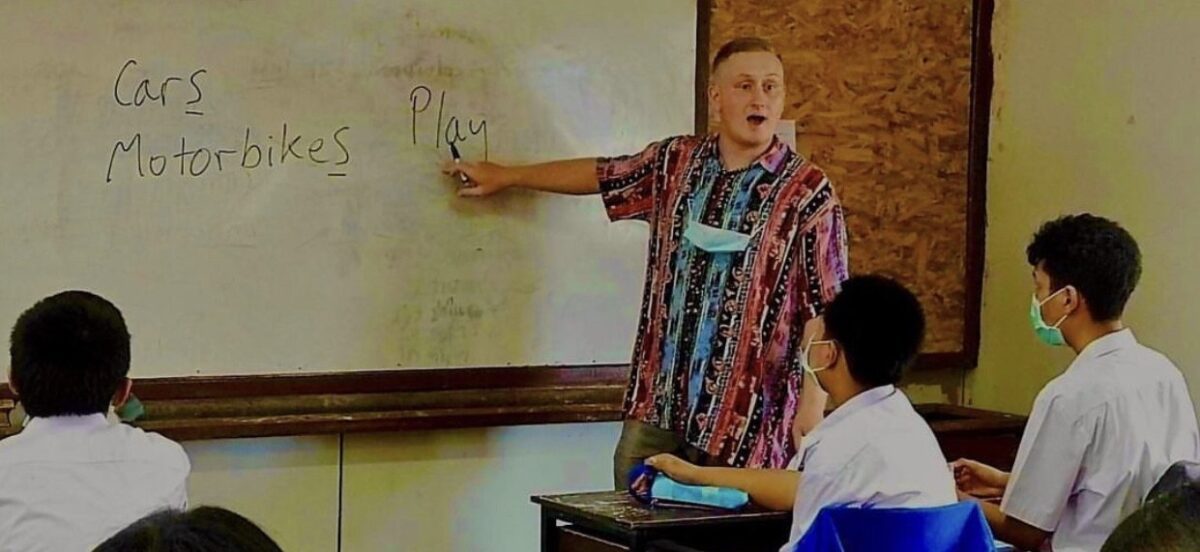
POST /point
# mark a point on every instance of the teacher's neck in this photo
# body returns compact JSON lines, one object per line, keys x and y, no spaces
{"x":736,"y":156}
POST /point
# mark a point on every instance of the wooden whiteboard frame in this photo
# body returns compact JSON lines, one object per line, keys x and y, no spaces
{"x":211,"y":407}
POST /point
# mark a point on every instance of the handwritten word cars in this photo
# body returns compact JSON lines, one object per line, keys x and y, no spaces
{"x":245,"y":149}
{"x":128,"y":94}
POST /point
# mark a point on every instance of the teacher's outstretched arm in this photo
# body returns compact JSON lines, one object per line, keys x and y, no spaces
{"x":573,"y":176}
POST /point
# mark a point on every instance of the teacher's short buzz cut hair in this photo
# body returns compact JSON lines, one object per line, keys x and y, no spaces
{"x":741,"y":45}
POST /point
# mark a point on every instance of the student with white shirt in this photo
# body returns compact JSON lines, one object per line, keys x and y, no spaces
{"x":70,"y":478}
{"x":873,"y":449}
{"x":1105,"y":430}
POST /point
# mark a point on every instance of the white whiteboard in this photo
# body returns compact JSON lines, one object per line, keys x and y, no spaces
{"x":227,"y":266}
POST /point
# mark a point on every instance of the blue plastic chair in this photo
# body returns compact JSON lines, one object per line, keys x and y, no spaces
{"x":958,"y":527}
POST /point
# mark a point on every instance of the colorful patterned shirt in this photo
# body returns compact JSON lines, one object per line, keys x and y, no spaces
{"x":717,"y":354}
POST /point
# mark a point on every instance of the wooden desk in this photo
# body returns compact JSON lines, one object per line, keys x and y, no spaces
{"x":611,"y":521}
{"x":983,"y":435}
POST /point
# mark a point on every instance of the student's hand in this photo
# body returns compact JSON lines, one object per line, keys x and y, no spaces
{"x":964,"y":497}
{"x":978,"y":479}
{"x":484,"y":178}
{"x":675,"y":467}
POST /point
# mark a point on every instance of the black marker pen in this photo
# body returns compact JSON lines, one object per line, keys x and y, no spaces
{"x":458,"y":159}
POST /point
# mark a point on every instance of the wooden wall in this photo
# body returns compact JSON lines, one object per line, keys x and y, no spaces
{"x":881,"y":92}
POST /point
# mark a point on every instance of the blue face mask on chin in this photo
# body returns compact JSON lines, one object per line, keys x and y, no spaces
{"x":715,"y":240}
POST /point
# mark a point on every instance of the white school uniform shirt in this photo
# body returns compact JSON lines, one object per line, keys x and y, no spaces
{"x":872,"y":451}
{"x":1099,"y":437}
{"x":67,"y":483}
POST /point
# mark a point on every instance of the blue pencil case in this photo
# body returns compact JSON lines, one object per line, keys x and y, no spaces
{"x":650,"y":487}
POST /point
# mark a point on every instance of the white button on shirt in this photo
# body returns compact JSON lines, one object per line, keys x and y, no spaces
{"x":68,"y":483}
{"x":1099,"y":437}
{"x":872,"y":451}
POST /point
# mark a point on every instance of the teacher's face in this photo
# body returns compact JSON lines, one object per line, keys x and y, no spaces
{"x":748,"y":94}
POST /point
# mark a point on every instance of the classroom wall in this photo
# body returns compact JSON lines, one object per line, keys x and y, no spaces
{"x":288,"y":485}
{"x":465,"y":489}
{"x":1094,"y":110}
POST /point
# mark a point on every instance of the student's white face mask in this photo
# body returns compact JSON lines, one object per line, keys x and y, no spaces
{"x":804,"y":364}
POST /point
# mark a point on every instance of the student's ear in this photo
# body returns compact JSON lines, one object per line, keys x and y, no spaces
{"x":122,"y":393}
{"x":1074,"y":301}
{"x":836,"y":358}
{"x":1070,"y":298}
{"x":12,"y":385}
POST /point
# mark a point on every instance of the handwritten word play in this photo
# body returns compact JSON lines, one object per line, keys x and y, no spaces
{"x":448,"y":128}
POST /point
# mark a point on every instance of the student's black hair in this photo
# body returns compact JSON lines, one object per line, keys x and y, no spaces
{"x":69,"y":355}
{"x":1093,"y":254}
{"x":1168,"y":523}
{"x":879,"y":325}
{"x":204,"y":529}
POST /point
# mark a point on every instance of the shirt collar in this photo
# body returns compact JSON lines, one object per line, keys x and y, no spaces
{"x":66,"y":423}
{"x":1105,"y":345}
{"x":857,"y":403}
{"x":771,"y":160}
